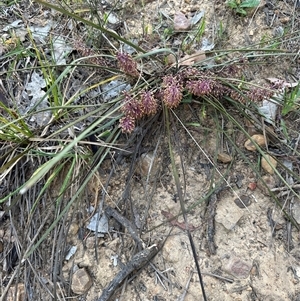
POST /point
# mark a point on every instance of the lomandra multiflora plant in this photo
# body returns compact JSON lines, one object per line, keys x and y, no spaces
{"x":173,"y":87}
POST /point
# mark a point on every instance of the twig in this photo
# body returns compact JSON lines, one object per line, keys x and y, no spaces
{"x":160,"y":281}
{"x":210,"y":234}
{"x":137,"y":262}
{"x":181,"y":298}
{"x":160,"y":274}
{"x":4,"y":292}
{"x":211,"y":213}
{"x":295,"y":186}
{"x":271,"y":221}
{"x":125,"y":223}
{"x":219,"y":277}
{"x":289,"y":238}
{"x":173,"y":221}
{"x":258,"y":6}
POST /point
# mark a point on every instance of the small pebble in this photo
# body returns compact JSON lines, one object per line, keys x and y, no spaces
{"x":270,"y":169}
{"x":252,"y":185}
{"x":238,"y":267}
{"x":243,"y":201}
{"x":224,"y":158}
{"x":81,"y":282}
{"x":258,"y":139}
{"x":73,"y":229}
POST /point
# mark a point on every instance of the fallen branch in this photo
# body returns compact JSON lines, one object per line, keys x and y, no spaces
{"x":137,"y":262}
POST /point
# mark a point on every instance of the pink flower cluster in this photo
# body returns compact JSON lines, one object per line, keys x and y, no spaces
{"x":200,"y":87}
{"x":172,"y":92}
{"x":127,"y":64}
{"x":259,"y":94}
{"x":135,"y":108}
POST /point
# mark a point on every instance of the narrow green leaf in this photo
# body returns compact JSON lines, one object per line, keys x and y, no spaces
{"x":250,"y":3}
{"x":87,"y":22}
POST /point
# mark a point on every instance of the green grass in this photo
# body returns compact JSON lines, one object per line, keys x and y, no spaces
{"x":241,"y":6}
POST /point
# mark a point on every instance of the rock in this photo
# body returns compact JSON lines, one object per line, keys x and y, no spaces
{"x":243,"y":202}
{"x":224,"y":158}
{"x":16,"y":295}
{"x":266,"y":166}
{"x":237,"y":267}
{"x":71,"y":252}
{"x":181,"y":22}
{"x":68,"y":265}
{"x":81,"y":282}
{"x":252,"y":185}
{"x":258,"y":139}
{"x":171,"y":59}
{"x":267,"y":180}
{"x":228,"y":215}
{"x":112,"y":18}
{"x":73,"y":230}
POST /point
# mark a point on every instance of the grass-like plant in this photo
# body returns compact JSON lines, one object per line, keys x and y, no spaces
{"x":79,"y":135}
{"x":241,"y":6}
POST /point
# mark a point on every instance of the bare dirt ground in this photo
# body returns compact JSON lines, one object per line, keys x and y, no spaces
{"x":246,"y":251}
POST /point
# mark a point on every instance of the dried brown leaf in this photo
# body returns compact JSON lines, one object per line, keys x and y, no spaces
{"x":192,"y":59}
{"x":181,"y":22}
{"x":281,"y":82}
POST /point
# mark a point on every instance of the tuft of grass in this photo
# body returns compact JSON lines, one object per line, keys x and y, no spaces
{"x":240,"y":6}
{"x":291,"y":100}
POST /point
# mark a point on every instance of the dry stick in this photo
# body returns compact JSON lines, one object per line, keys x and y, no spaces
{"x":289,"y":239}
{"x":125,"y":223}
{"x":181,"y":298}
{"x":4,"y":292}
{"x":160,"y":281}
{"x":211,"y":213}
{"x":40,"y":280}
{"x":295,"y":186}
{"x":137,"y":262}
{"x":211,"y":210}
{"x":164,"y":277}
{"x":271,"y":221}
{"x":219,"y":277}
